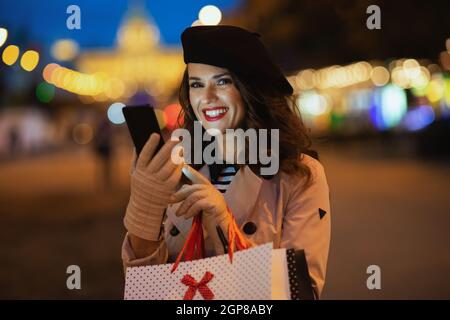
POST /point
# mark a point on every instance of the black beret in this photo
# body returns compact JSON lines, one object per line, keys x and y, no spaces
{"x":235,"y":49}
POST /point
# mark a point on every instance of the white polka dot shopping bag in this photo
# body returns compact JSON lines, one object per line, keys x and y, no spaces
{"x":257,"y":273}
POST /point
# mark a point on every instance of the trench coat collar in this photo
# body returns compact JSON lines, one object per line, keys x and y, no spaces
{"x":240,"y":197}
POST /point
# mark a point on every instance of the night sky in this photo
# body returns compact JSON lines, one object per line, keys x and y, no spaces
{"x":43,"y":22}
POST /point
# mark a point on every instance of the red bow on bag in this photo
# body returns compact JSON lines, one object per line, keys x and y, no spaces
{"x":194,"y":248}
{"x":201,"y":286}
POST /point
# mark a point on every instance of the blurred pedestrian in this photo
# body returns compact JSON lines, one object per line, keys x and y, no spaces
{"x":103,"y":149}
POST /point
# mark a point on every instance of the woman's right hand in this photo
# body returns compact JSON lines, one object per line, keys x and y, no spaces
{"x":153,"y":180}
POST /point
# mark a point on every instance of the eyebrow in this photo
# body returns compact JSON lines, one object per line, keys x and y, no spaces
{"x":214,"y":77}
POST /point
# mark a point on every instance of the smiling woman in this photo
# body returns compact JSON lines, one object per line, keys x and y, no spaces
{"x":231,"y":82}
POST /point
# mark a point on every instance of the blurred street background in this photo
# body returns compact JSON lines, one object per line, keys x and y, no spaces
{"x":377,"y":102}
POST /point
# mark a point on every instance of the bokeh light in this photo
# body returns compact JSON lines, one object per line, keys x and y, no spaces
{"x":419,"y":118}
{"x":82,"y":133}
{"x":314,"y":104}
{"x":421,"y":79}
{"x":380,"y":76}
{"x":435,"y":90}
{"x":389,"y":105}
{"x":210,"y":15}
{"x":29,"y":60}
{"x":444,"y":58}
{"x":64,"y":50}
{"x":305,"y":79}
{"x":3,"y":36}
{"x":10,"y":54}
{"x":45,"y":92}
{"x":115,"y":114}
{"x":172,"y":111}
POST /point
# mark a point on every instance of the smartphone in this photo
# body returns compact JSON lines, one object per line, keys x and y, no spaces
{"x":142,"y":122}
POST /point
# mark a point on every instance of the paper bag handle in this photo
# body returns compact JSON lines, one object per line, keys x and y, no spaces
{"x":194,"y":247}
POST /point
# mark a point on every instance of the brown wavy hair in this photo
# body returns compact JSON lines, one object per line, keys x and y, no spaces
{"x":265,"y":108}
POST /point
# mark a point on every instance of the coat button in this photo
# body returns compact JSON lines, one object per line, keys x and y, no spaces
{"x":250,"y":228}
{"x":174,"y":231}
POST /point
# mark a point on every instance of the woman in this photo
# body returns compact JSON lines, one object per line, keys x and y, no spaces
{"x":231,"y":82}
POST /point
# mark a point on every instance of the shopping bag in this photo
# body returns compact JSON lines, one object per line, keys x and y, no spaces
{"x":257,"y":273}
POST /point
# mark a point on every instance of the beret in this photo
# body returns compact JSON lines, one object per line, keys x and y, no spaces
{"x":235,"y":49}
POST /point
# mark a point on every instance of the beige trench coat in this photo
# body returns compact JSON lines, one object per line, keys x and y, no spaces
{"x":282,"y":210}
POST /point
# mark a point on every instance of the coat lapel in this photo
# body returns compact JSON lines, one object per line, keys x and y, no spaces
{"x":242,"y":193}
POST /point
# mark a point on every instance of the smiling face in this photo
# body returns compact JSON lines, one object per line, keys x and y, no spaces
{"x":215,"y":100}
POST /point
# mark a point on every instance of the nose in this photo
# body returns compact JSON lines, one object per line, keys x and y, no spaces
{"x":209,"y":95}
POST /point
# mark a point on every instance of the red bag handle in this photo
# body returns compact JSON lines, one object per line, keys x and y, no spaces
{"x":194,"y":247}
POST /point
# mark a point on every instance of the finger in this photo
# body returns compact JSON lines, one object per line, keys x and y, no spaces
{"x":166,"y":170}
{"x":196,"y":208}
{"x":148,"y":150}
{"x":187,"y":203}
{"x":160,"y":158}
{"x":175,"y":176}
{"x":184,"y":192}
{"x":194,"y":175}
{"x":190,"y":200}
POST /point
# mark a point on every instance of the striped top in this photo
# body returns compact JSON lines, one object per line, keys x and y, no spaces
{"x":224,"y":178}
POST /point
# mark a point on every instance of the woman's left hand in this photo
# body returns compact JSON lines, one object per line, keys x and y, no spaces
{"x":201,"y":196}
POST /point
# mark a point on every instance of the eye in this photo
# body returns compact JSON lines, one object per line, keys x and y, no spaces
{"x":195,"y":84}
{"x":224,"y":81}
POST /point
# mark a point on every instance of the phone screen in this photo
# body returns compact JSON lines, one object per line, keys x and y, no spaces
{"x":142,"y":122}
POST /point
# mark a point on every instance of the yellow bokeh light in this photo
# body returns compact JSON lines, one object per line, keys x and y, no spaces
{"x":68,"y":79}
{"x":380,"y":76}
{"x":64,"y":50}
{"x":29,"y":60}
{"x":58,"y":76}
{"x":305,"y":79}
{"x":101,"y":97}
{"x":130,"y":89}
{"x":48,"y":71}
{"x":365,"y":69}
{"x":410,"y":64}
{"x":10,"y":54}
{"x":435,"y":90}
{"x":422,"y":79}
{"x":447,"y":91}
{"x":3,"y":36}
{"x":210,"y":15}
{"x":399,"y":77}
{"x":114,"y":89}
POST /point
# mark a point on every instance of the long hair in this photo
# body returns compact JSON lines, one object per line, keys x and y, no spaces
{"x":265,"y":108}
